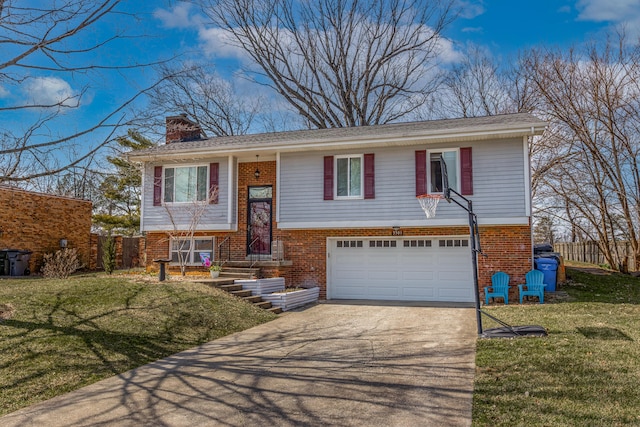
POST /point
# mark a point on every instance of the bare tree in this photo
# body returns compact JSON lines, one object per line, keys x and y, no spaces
{"x":593,"y":175}
{"x":185,"y":219}
{"x":41,"y":47}
{"x":476,"y":87}
{"x":340,"y":62}
{"x":207,"y":99}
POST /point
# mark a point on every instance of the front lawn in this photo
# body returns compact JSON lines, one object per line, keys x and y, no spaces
{"x":586,"y":372}
{"x":65,"y":334}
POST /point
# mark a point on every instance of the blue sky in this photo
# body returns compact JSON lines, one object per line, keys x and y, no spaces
{"x":164,"y":29}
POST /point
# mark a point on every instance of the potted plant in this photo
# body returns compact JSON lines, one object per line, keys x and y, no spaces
{"x":215,"y":270}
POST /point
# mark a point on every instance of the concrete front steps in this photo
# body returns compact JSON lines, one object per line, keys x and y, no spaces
{"x":226,"y":282}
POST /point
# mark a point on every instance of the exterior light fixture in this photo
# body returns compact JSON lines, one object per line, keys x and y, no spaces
{"x":257,"y":172}
{"x":63,"y":243}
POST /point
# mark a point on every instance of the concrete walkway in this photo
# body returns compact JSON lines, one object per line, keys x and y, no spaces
{"x":332,"y":364}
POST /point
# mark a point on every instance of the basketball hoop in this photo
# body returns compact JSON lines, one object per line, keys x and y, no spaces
{"x":429,"y":203}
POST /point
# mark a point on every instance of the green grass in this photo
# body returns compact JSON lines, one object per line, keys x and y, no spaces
{"x":65,"y":334}
{"x":586,"y":372}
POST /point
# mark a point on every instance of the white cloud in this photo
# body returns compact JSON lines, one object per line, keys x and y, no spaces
{"x":616,"y":11}
{"x":478,"y":30}
{"x":3,"y":92}
{"x":178,"y":17}
{"x":622,"y":15}
{"x":470,"y":9}
{"x":48,"y":91}
{"x":447,"y":52}
{"x":218,"y":43}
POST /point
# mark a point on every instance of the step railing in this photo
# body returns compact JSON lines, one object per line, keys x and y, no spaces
{"x":224,"y":254}
{"x":253,"y":256}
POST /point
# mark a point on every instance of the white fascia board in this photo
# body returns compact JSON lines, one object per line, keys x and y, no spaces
{"x":143,"y":170}
{"x":201,"y":227}
{"x":278,"y":186}
{"x":527,"y":176}
{"x":435,"y":222}
{"x":231,"y":189}
{"x":389,"y":141}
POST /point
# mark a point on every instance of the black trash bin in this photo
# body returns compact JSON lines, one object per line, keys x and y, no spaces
{"x":4,"y":269}
{"x":18,"y":262}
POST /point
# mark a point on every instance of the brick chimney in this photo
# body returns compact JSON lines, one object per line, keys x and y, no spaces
{"x":181,"y":129}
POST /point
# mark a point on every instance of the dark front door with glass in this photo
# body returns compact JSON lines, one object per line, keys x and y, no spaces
{"x":259,"y":221}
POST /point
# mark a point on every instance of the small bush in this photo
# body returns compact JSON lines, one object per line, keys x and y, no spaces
{"x":61,"y":264}
{"x":109,"y":255}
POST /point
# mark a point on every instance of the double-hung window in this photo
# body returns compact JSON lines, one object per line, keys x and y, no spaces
{"x":190,"y":250}
{"x":183,"y":184}
{"x":349,"y":176}
{"x":435,"y":170}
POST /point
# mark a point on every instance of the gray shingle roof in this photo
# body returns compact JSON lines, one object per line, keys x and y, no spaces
{"x":520,"y":122}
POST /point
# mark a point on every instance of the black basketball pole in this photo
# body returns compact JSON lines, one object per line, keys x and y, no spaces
{"x":474,"y":234}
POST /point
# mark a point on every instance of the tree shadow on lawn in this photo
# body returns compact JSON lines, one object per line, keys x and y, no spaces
{"x":290,"y":372}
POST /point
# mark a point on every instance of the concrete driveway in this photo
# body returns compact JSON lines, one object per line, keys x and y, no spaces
{"x":332,"y":364}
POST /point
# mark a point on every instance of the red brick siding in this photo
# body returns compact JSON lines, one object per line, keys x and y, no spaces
{"x":37,"y":222}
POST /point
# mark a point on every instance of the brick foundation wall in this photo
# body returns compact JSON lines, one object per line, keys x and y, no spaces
{"x":37,"y":222}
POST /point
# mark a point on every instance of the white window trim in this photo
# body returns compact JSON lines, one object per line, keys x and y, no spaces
{"x":191,"y":261}
{"x":189,"y":165}
{"x":458,"y":171}
{"x":335,"y":174}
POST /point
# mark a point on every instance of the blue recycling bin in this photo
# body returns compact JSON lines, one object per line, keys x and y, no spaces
{"x":549,"y":267}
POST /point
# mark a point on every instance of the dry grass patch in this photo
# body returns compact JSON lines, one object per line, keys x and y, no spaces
{"x":64,"y":334}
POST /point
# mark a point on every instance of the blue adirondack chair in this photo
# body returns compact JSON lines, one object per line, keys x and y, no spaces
{"x":499,"y":288}
{"x":535,"y":286}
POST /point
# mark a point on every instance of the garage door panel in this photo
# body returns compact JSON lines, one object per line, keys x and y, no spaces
{"x":413,"y":293}
{"x":416,"y":275}
{"x":381,"y":274}
{"x":401,"y":269}
{"x":452,"y":276}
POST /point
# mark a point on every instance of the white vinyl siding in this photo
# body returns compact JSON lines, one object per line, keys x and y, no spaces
{"x":498,"y":176}
{"x":219,"y":216}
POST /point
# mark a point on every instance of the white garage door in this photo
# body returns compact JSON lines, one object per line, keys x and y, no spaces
{"x":402,"y":269}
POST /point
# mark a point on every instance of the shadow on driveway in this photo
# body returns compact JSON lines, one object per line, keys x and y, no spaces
{"x":332,"y":364}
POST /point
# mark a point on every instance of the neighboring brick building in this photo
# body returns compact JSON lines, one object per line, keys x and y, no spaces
{"x":343,"y":204}
{"x":37,"y":222}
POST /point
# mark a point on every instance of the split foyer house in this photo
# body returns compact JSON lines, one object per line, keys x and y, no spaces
{"x":337,"y":208}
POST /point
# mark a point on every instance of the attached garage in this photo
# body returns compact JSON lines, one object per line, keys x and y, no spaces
{"x":400,"y":269}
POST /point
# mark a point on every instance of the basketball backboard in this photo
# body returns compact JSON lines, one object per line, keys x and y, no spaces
{"x":446,"y":191}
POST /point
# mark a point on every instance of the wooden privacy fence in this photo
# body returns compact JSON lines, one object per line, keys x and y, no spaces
{"x":127,"y":251}
{"x":590,"y":253}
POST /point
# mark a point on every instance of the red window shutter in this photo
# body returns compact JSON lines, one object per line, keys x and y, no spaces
{"x":369,"y":176}
{"x":328,"y":178}
{"x":466,"y":172}
{"x":214,"y":170}
{"x":421,"y":172}
{"x":157,"y":186}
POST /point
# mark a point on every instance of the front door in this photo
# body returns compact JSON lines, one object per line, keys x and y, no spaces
{"x":259,"y":221}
